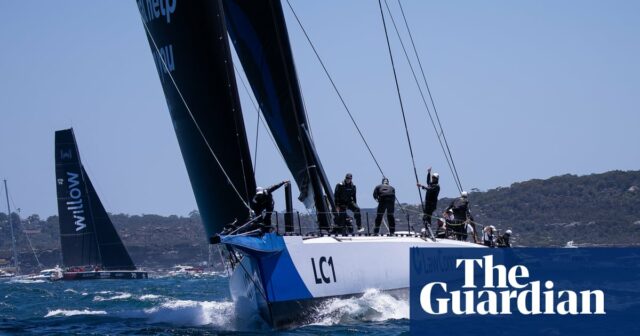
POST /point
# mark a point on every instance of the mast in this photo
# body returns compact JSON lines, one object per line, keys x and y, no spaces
{"x":13,"y":237}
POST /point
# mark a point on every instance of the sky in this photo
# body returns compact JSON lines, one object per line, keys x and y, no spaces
{"x":524,"y":90}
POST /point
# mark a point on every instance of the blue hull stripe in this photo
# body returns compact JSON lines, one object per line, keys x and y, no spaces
{"x":279,"y":276}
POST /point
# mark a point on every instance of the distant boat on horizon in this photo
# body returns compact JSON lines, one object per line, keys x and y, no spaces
{"x":91,"y":246}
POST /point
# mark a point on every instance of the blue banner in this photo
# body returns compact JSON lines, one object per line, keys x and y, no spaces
{"x":527,"y":291}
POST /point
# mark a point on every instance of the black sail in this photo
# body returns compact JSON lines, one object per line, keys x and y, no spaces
{"x":113,"y":253}
{"x":87,"y":234}
{"x":189,"y":44}
{"x":77,"y":231}
{"x":259,"y":34}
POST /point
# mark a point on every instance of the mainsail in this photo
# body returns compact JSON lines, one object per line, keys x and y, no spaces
{"x":189,"y":44}
{"x":259,"y":34}
{"x":87,"y":235}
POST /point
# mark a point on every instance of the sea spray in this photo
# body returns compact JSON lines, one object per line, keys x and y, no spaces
{"x":373,"y":306}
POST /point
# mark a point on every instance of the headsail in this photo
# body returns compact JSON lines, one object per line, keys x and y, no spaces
{"x":259,"y":34}
{"x":189,"y":44}
{"x":113,"y":253}
{"x":77,"y":231}
{"x":87,"y":235}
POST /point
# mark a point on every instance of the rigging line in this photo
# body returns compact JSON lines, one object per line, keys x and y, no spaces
{"x":335,"y":87}
{"x":260,"y":117}
{"x":424,"y":101}
{"x":404,"y":118}
{"x":166,"y":68}
{"x":255,"y":155}
{"x":32,"y":249}
{"x":415,"y":50}
{"x":344,"y":104}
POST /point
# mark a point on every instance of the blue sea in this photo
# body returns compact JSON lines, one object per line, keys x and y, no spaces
{"x":174,"y":306}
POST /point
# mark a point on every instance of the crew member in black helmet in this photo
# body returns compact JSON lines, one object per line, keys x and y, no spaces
{"x":263,"y":201}
{"x":345,"y":196}
{"x":386,"y":197}
{"x":431,"y":198}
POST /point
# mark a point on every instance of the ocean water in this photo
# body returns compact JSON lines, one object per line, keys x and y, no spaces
{"x":174,"y":306}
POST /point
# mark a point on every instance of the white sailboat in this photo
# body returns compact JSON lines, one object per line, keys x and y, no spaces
{"x":15,"y":270}
{"x":283,"y":277}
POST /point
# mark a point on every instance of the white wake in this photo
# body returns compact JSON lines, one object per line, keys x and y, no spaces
{"x":372,"y":306}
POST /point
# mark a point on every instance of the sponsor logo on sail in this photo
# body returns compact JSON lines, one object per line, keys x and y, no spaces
{"x":154,"y":9}
{"x":65,"y":154}
{"x":75,"y":205}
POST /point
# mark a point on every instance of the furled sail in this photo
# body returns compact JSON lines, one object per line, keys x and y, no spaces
{"x":189,"y":44}
{"x":87,"y":235}
{"x":259,"y":34}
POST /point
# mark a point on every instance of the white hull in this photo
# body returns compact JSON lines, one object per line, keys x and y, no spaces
{"x":284,"y":286}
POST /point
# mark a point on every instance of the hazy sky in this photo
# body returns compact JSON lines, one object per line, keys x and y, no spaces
{"x":525,"y":89}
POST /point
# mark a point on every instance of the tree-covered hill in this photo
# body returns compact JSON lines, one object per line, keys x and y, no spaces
{"x":592,"y":209}
{"x":596,"y":209}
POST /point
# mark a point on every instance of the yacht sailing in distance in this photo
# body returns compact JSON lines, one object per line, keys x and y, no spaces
{"x":91,"y":247}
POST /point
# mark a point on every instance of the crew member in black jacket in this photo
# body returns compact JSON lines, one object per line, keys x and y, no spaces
{"x":263,"y":201}
{"x":345,"y":197}
{"x":461,"y":213}
{"x":386,"y":197}
{"x":431,"y":198}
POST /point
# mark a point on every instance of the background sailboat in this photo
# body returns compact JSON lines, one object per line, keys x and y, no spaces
{"x":15,"y":270}
{"x":91,"y":247}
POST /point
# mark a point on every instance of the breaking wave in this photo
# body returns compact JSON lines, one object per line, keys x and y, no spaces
{"x":188,"y":312}
{"x":150,"y":297}
{"x":64,"y":312}
{"x":372,"y":306}
{"x":119,"y":296}
{"x":26,"y":281}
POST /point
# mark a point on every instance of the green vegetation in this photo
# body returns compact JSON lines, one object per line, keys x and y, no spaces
{"x":598,"y":209}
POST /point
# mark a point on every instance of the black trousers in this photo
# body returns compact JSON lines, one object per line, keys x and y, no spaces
{"x":459,"y":229}
{"x":267,"y":216}
{"x":428,"y":214}
{"x":385,"y":204}
{"x":342,"y":213}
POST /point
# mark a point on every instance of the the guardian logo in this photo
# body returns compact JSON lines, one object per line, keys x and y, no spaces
{"x":154,"y":9}
{"x":76,"y":206}
{"x":509,"y":293}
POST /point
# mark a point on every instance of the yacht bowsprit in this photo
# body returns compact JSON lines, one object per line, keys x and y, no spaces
{"x":91,"y":247}
{"x":283,"y":277}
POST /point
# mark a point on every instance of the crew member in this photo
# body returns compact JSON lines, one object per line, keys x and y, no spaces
{"x":489,"y":236}
{"x":263,"y":201}
{"x":345,"y":197}
{"x":460,"y":208}
{"x":386,"y":197}
{"x":504,"y":240}
{"x":431,"y":198}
